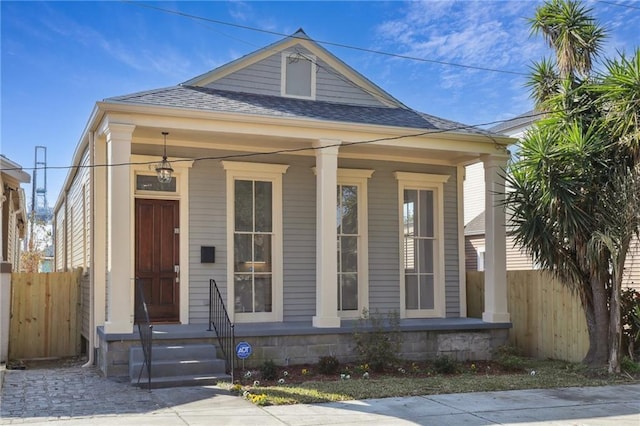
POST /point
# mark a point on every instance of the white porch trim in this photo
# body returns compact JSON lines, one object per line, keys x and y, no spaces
{"x":119,"y":257}
{"x":326,"y":234}
{"x":495,"y":274}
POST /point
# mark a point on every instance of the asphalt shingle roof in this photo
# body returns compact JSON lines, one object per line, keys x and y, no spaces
{"x":207,"y":99}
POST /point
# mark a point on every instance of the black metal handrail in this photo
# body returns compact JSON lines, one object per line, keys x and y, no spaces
{"x":220,"y":322}
{"x":145,"y":329}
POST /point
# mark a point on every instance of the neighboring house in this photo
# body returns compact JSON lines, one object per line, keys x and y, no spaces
{"x":304,"y":190}
{"x":13,"y":227}
{"x":474,"y":202}
{"x":474,"y":205}
{"x":13,"y":214}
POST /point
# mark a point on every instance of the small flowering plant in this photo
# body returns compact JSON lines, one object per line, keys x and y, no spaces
{"x":305,"y":371}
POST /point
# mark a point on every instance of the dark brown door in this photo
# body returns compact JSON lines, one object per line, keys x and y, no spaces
{"x":157,"y":257}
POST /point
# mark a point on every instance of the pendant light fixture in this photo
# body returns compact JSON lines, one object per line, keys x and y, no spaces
{"x":164,"y":169}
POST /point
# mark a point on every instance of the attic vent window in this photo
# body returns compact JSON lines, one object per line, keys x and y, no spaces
{"x":298,"y":75}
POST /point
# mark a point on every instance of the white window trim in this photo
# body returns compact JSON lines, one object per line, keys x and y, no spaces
{"x":480,"y":256}
{"x":238,"y":170}
{"x":283,"y":74}
{"x":432,"y":182}
{"x":143,"y":165}
{"x":359,"y":178}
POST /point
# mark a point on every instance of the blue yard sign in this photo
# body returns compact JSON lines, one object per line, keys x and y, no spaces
{"x":243,"y":350}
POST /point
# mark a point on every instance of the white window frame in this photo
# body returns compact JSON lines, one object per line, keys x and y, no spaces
{"x":283,"y":74}
{"x":435,"y":183}
{"x":237,"y":170}
{"x":359,"y":178}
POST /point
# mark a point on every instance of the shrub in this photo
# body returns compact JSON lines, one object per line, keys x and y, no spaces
{"x":268,"y":370}
{"x":378,"y":339}
{"x":445,"y":365}
{"x":509,"y":358}
{"x":629,"y":366}
{"x":328,"y":365}
{"x":630,"y":312}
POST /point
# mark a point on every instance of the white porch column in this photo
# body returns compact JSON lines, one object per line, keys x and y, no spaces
{"x":120,"y":281}
{"x":495,"y":273}
{"x":326,"y":234}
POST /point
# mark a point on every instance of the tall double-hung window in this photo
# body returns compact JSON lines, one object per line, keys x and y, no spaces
{"x":352,"y":243}
{"x":254,"y":229}
{"x":422,"y":244}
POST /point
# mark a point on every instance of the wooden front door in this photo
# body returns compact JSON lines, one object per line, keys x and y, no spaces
{"x":157,"y":257}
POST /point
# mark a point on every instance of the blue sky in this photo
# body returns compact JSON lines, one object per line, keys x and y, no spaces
{"x":59,"y":58}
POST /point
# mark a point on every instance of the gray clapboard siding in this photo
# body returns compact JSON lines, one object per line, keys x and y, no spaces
{"x":264,"y":78}
{"x":208,"y":220}
{"x":384,"y":251}
{"x":299,"y":239}
{"x":207,"y":227}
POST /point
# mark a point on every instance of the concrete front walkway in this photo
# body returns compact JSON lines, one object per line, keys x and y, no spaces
{"x":80,"y":396}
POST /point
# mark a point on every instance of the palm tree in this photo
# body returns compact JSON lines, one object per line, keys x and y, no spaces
{"x":574,"y":191}
{"x":572,"y":32}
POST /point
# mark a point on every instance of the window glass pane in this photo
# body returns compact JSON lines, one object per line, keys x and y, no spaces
{"x":409,"y":211}
{"x":262,"y":253}
{"x":298,"y":77}
{"x":243,"y":205}
{"x":263,"y":207}
{"x":243,"y":293}
{"x":410,"y":252}
{"x":349,"y":254}
{"x":426,"y":292}
{"x":242,"y":258}
{"x":426,"y":214}
{"x":349,"y":292}
{"x":411,"y":291}
{"x":426,"y":256}
{"x":263,"y":293}
{"x":349,"y":196}
{"x":151,"y":183}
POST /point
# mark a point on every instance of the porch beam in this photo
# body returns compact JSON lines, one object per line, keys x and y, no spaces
{"x":119,"y":230}
{"x":495,"y":274}
{"x":326,"y":234}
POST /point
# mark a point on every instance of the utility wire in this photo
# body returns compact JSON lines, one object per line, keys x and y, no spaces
{"x":329,"y":43}
{"x":619,"y":4}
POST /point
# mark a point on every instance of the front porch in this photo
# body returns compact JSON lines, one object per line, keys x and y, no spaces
{"x":289,"y":343}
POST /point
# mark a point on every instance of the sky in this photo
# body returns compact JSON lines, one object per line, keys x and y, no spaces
{"x":59,"y":58}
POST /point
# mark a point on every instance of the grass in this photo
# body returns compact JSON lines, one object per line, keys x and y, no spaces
{"x":422,"y":380}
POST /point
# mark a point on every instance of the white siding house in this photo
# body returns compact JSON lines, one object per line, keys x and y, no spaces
{"x":304,"y":190}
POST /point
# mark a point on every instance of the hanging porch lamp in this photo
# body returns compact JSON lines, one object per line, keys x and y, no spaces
{"x":164,"y":169}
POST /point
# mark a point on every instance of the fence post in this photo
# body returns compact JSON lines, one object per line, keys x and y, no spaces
{"x":5,"y":309}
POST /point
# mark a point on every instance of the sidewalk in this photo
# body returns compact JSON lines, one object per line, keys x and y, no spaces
{"x":80,"y":396}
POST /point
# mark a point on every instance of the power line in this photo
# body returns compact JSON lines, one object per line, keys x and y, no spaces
{"x":329,"y":43}
{"x":619,"y":4}
{"x":293,"y":150}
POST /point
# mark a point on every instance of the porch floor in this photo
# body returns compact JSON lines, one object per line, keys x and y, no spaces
{"x":200,"y":331}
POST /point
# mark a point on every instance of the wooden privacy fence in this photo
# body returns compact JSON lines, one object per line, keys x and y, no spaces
{"x":45,"y":315}
{"x":548,"y":320}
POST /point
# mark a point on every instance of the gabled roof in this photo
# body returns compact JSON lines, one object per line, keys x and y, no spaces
{"x":206,"y":99}
{"x":195,"y":95}
{"x":475,"y":226}
{"x":519,"y":121}
{"x":298,"y":38}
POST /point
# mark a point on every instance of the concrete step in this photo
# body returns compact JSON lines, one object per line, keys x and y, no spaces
{"x":181,"y":381}
{"x":177,"y":365}
{"x":174,"y":352}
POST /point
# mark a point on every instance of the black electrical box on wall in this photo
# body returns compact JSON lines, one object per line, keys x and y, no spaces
{"x":207,"y":254}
